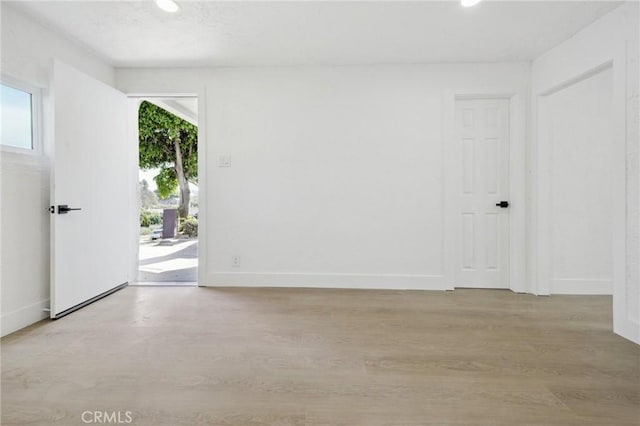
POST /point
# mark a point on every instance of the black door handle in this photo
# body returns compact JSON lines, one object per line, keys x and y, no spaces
{"x":64,"y":209}
{"x":503,"y":204}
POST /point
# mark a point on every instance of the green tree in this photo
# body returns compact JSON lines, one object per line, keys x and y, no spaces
{"x":169,"y":143}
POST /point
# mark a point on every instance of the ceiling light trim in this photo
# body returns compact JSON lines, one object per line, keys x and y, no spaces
{"x":469,"y":3}
{"x":168,"y":5}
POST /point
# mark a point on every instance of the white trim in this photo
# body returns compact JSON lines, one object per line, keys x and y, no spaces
{"x":133,"y":106}
{"x":542,"y":202}
{"x":321,"y":280}
{"x":517,"y":185}
{"x":177,"y":110}
{"x":581,"y":286}
{"x":448,"y":199}
{"x":517,"y":194}
{"x":544,"y":280}
{"x":201,"y":96}
{"x":577,"y":78}
{"x":623,"y":323}
{"x":161,"y":95}
{"x":25,"y":316}
{"x":25,"y":163}
{"x":202,"y":185}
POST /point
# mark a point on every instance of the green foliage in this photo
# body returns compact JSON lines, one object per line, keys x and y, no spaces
{"x":175,"y":194}
{"x":158,"y":129}
{"x":159,"y":133}
{"x":189,"y":226}
{"x":167,"y":182}
{"x":145,"y":220}
{"x":148,"y":218}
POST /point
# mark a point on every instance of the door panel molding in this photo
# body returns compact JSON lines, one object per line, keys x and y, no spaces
{"x":482,"y":240}
{"x":517,"y":281}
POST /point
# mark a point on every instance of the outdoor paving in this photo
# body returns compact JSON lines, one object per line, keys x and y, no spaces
{"x":168,"y":260}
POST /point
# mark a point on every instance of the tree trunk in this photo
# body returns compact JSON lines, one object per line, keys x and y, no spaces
{"x":185,"y":193}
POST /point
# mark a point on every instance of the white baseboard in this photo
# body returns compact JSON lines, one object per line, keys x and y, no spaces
{"x":580,"y":286}
{"x":23,"y":317}
{"x":357,"y":281}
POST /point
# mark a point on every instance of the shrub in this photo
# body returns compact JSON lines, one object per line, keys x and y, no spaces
{"x":145,"y":220}
{"x":156,"y":218}
{"x":148,"y":218}
{"x":189,"y":226}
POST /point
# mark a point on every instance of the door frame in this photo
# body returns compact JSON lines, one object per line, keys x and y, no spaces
{"x":623,"y":323}
{"x":135,"y":99}
{"x":544,"y":261}
{"x":517,"y":186}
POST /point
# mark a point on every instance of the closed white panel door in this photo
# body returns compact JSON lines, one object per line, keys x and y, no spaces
{"x":91,"y":163}
{"x":481,"y":184}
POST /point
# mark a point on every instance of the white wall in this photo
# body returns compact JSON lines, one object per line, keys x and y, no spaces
{"x":336,"y":176}
{"x":27,"y":52}
{"x":611,"y":41}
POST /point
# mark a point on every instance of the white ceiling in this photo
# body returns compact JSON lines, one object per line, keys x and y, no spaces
{"x":212,"y":33}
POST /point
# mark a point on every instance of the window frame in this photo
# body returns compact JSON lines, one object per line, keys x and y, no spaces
{"x":36,"y":118}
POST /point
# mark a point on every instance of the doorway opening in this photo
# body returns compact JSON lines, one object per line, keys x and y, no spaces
{"x":168,"y":191}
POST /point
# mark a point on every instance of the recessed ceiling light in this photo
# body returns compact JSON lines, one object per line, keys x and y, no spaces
{"x":167,"y":5}
{"x":469,"y":3}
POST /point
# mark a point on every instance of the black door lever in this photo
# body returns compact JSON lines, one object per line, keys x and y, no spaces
{"x":503,"y":204}
{"x":64,"y":209}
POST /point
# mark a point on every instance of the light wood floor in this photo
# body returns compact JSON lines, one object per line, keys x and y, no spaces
{"x":191,"y":356}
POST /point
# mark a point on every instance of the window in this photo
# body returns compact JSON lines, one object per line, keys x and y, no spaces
{"x":18,"y":112}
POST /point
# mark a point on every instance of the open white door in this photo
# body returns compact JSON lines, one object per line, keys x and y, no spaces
{"x":90,"y":248}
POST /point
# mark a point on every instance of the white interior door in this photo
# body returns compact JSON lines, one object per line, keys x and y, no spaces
{"x":482,"y":182}
{"x":91,"y":250}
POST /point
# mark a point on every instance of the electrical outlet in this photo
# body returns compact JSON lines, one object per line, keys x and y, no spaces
{"x":235,"y":261}
{"x":224,"y":161}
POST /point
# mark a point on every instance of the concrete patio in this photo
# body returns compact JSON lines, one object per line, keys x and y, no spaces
{"x":168,"y":261}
